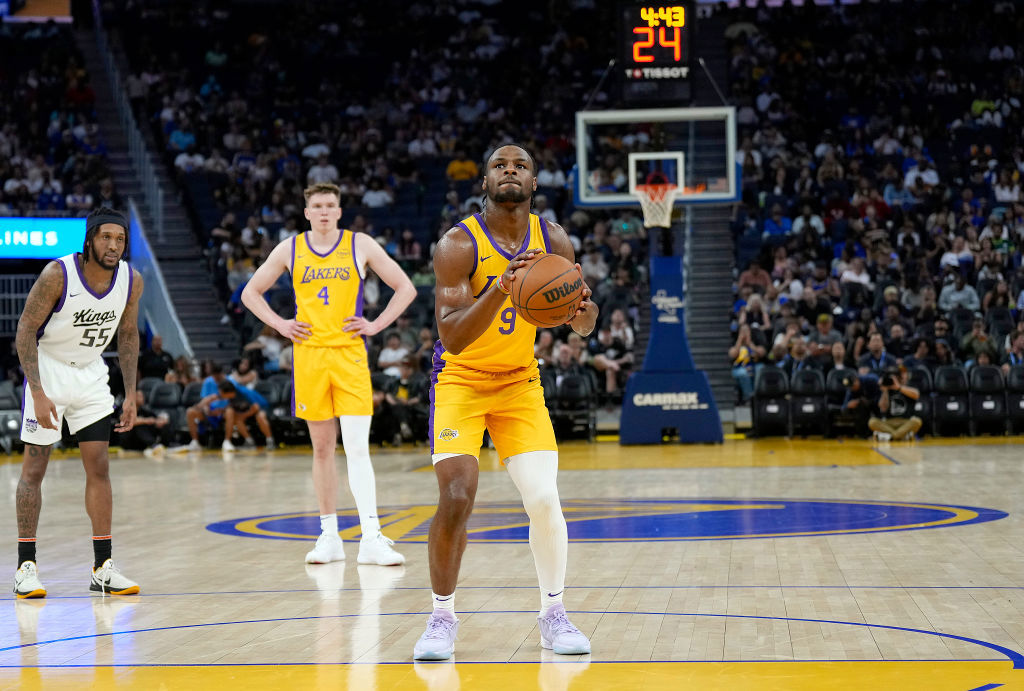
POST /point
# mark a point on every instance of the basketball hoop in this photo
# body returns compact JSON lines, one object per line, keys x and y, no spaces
{"x":656,"y":201}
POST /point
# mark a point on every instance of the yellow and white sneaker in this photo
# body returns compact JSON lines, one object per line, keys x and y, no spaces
{"x":108,"y":579}
{"x":27,"y":583}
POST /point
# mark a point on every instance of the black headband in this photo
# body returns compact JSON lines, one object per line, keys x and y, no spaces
{"x":115,"y":217}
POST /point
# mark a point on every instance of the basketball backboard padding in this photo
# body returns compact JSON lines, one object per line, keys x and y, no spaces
{"x":607,"y":139}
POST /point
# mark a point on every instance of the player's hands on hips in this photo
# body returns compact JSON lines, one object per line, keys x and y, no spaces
{"x":518,"y":261}
{"x":585,"y":319}
{"x":128,"y":413}
{"x":295,"y":331}
{"x":359,"y":326}
{"x":46,"y":411}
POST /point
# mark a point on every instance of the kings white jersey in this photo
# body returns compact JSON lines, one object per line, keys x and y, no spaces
{"x":83,"y":322}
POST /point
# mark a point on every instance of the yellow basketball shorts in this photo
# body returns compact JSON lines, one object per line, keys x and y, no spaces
{"x":510,"y":405}
{"x":330,"y":382}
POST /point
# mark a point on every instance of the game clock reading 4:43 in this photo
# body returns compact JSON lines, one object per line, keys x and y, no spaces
{"x":656,"y":42}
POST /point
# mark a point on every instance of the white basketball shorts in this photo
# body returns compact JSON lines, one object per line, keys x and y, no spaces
{"x":80,"y":394}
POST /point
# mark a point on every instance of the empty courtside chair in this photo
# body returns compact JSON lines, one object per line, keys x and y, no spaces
{"x":921,"y":379}
{"x":146,"y":386}
{"x":269,"y":390}
{"x":192,"y":394}
{"x":839,"y":421}
{"x":576,"y":410}
{"x":988,"y":399}
{"x":10,"y":416}
{"x":1015,"y":397}
{"x":807,"y":405}
{"x":166,"y":398}
{"x":770,"y":411}
{"x":952,"y":405}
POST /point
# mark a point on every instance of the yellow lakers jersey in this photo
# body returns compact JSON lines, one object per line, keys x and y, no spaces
{"x":328,"y":288}
{"x":507,"y":343}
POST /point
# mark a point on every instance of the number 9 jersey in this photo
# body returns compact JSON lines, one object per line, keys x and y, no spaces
{"x":507,"y":343}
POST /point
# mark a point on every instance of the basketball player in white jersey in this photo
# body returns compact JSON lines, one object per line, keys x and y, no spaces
{"x":76,"y":306}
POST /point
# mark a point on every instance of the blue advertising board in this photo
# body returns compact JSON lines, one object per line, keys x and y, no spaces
{"x":668,"y":393}
{"x":40,"y":238}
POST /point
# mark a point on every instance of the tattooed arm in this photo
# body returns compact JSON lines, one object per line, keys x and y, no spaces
{"x":47,"y":290}
{"x":128,"y":353}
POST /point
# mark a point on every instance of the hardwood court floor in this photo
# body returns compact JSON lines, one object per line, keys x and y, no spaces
{"x":752,"y":565}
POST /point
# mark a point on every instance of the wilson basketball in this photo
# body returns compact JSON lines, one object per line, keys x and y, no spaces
{"x":547,"y":291}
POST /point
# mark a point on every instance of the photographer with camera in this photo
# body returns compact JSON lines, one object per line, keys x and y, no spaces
{"x":895,"y":419}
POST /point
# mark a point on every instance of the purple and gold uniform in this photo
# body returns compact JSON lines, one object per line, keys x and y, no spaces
{"x":330,"y":372}
{"x":495,"y":381}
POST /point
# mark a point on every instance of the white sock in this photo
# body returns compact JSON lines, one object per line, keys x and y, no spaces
{"x":355,"y":438}
{"x":329,"y":524}
{"x":446,"y":602}
{"x":549,"y":598}
{"x":535,"y":475}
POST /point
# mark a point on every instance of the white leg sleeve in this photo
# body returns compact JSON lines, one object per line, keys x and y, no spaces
{"x":535,"y":474}
{"x":355,"y":437}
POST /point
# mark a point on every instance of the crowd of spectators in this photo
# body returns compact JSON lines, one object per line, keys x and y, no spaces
{"x":882,"y":219}
{"x":402,"y":129}
{"x":53,"y":161}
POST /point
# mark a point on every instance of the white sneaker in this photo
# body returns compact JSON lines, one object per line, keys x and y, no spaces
{"x":249,"y":443}
{"x":194,"y":445}
{"x":227,"y":446}
{"x":27,"y":583}
{"x":328,"y":548}
{"x":270,"y":444}
{"x":108,"y":579}
{"x":377,"y":550}
{"x":883,"y":436}
{"x":155,"y":450}
{"x":438,"y":641}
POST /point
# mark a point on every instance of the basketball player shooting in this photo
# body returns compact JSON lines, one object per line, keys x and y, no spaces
{"x":71,"y":313}
{"x":331,"y":375}
{"x":485,"y":376}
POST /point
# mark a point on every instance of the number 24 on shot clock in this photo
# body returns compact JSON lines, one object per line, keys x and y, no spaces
{"x":656,"y":36}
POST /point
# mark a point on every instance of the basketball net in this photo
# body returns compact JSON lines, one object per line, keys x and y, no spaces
{"x":656,"y":201}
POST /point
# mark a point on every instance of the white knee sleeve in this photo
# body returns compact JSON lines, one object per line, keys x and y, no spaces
{"x":355,"y":438}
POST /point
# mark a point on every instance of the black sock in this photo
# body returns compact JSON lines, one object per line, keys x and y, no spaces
{"x":100,"y":550}
{"x":26,"y":550}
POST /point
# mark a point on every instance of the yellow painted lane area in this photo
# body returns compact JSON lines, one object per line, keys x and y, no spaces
{"x":560,"y":676}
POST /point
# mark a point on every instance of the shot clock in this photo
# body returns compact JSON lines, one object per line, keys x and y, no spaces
{"x":655,"y":51}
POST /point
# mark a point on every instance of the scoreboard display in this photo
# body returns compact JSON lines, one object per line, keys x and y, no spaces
{"x":655,"y":51}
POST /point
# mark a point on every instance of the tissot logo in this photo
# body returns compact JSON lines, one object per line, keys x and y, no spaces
{"x":563,"y":290}
{"x":657,"y":72}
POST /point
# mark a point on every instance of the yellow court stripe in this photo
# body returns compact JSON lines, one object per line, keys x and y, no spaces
{"x":568,"y":673}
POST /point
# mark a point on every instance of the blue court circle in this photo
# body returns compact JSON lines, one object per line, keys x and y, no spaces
{"x":627,"y":520}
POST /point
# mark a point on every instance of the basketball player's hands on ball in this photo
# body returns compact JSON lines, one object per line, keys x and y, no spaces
{"x":359,"y":326}
{"x":295,"y":331}
{"x":46,"y":411}
{"x":518,"y":262}
{"x":128,"y":413}
{"x":585,"y":318}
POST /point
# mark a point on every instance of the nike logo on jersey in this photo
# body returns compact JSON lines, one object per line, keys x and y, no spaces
{"x":73,"y":295}
{"x":483,"y":259}
{"x":531,"y":380}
